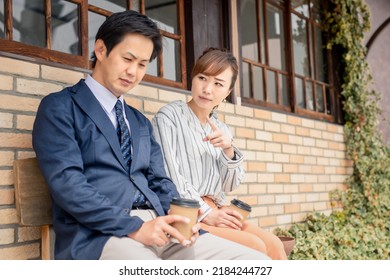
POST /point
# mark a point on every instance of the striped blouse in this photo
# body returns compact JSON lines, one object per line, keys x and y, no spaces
{"x":196,"y":167}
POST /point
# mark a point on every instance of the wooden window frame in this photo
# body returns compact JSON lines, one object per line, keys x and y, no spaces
{"x":335,"y":115}
{"x":82,"y":61}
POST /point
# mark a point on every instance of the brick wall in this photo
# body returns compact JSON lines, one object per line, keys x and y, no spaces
{"x":292,"y":163}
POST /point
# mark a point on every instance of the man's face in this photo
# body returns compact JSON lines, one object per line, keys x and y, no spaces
{"x":126,"y":64}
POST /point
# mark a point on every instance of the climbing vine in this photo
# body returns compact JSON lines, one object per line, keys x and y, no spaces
{"x":361,"y":230}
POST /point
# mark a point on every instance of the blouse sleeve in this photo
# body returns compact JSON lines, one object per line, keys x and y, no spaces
{"x":232,"y":170}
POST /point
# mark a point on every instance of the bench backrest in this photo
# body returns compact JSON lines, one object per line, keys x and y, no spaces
{"x":33,"y":203}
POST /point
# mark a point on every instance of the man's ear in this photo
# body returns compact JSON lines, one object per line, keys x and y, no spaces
{"x":100,"y":49}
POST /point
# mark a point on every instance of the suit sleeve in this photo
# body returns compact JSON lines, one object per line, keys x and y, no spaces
{"x":157,"y":178}
{"x":61,"y":162}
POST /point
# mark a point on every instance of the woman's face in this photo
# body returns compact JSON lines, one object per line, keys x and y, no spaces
{"x":209,"y":91}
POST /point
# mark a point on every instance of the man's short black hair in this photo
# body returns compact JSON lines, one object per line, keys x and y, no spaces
{"x":116,"y":26}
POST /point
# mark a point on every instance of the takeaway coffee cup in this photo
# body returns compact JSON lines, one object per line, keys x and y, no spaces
{"x":241,"y":207}
{"x":187,"y":208}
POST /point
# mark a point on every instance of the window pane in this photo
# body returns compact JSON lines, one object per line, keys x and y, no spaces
{"x":94,"y":21}
{"x":246,"y":80}
{"x":31,"y":30}
{"x":152,"y":68}
{"x":2,"y":29}
{"x":110,"y":5}
{"x":316,"y":10}
{"x":248,"y":32}
{"x":320,"y":99}
{"x":164,"y":12}
{"x":276,"y":44}
{"x":271,"y":87}
{"x":311,"y":51}
{"x":171,"y":58}
{"x":262,"y":32}
{"x":299,"y":92}
{"x":328,"y":102}
{"x":65,"y":27}
{"x":301,"y":6}
{"x":300,"y":51}
{"x":258,"y":84}
{"x":321,"y":54}
{"x":135,"y":5}
{"x":284,"y":90}
{"x":309,"y":96}
{"x":276,"y":2}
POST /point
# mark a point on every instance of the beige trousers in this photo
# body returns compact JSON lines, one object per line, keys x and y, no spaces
{"x":206,"y":247}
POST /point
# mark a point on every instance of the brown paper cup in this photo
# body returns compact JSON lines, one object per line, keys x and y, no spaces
{"x":187,"y":208}
{"x":241,"y":207}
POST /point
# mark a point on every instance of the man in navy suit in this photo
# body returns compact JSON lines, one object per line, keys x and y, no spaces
{"x":106,"y":204}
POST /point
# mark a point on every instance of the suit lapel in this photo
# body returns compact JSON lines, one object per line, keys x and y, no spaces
{"x":91,"y":106}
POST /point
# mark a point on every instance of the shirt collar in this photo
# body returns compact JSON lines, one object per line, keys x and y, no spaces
{"x":106,"y":99}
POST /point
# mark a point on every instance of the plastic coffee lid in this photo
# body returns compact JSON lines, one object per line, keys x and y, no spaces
{"x":241,"y":204}
{"x":185,"y":202}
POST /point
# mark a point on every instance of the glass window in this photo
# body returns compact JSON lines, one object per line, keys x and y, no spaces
{"x":300,"y":45}
{"x":321,"y":54}
{"x":275,"y":38}
{"x":299,"y":92}
{"x":258,"y":83}
{"x":328,"y":104}
{"x":110,"y":5}
{"x":172,"y":71}
{"x":94,"y":21}
{"x":271,"y":87}
{"x":316,"y":10}
{"x":249,"y":34}
{"x":2,"y":29}
{"x":246,"y":82}
{"x":295,"y":60}
{"x":283,"y":84}
{"x":64,"y":32}
{"x":264,"y":19}
{"x":164,"y":12}
{"x":65,"y":27}
{"x":28,"y":20}
{"x":301,"y":7}
{"x":309,"y":95}
{"x":320,"y":98}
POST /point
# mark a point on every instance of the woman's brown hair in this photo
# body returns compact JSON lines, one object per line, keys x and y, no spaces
{"x":214,"y":61}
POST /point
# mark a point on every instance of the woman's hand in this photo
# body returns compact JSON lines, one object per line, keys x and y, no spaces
{"x":219,"y":139}
{"x":224,"y":217}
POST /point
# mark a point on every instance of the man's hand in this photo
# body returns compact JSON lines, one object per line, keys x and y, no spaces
{"x":158,"y":232}
{"x":224,"y":217}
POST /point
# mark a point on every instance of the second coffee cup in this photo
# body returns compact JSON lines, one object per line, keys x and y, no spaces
{"x":241,"y":207}
{"x":187,"y":208}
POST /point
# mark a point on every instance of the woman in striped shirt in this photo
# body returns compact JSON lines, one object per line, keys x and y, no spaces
{"x":200,"y":156}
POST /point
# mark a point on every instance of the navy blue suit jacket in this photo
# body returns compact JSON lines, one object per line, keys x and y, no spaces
{"x":79,"y":155}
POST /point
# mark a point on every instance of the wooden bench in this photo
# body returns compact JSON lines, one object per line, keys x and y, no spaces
{"x":33,"y":202}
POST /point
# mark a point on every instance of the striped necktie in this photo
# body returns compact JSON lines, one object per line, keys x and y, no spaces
{"x":125,"y":142}
{"x":123,"y":134}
